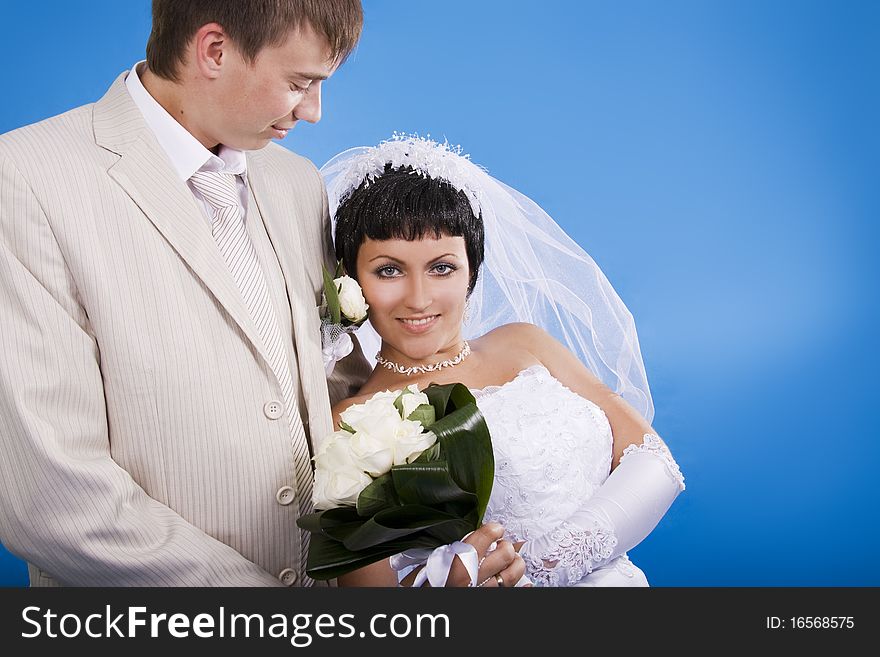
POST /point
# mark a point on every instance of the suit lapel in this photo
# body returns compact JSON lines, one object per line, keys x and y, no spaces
{"x":145,"y":174}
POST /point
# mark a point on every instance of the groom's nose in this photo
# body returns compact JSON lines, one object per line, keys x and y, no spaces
{"x":309,"y":108}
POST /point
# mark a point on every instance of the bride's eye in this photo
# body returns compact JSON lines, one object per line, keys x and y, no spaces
{"x":388,"y":271}
{"x":443,"y":269}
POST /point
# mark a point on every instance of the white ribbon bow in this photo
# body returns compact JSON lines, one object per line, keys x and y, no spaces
{"x":438,"y":563}
{"x":334,"y":351}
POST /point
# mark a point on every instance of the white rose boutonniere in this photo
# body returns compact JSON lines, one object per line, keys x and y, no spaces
{"x":352,"y":305}
{"x":343,"y":311}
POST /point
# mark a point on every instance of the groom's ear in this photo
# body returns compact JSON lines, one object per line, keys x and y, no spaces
{"x":210,"y":49}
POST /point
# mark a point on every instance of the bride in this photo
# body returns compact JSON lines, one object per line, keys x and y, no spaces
{"x":469,"y":281}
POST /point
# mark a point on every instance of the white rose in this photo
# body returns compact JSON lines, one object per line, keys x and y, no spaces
{"x":338,"y":480}
{"x":374,"y":405}
{"x":351,"y":298}
{"x":412,"y":399}
{"x":380,"y":421}
{"x":373,"y":454}
{"x":328,"y":441}
{"x":411,"y":442}
{"x":384,"y":397}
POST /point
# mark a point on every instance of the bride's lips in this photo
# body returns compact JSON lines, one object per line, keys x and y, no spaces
{"x":418,"y":326}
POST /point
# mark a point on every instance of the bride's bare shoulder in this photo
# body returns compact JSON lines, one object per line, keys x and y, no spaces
{"x":517,"y":334}
{"x":512,"y":345}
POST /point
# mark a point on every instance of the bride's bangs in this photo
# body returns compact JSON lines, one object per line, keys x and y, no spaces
{"x":403,"y":204}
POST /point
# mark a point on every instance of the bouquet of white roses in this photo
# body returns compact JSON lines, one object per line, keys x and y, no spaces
{"x":343,"y":310}
{"x":407,"y":469}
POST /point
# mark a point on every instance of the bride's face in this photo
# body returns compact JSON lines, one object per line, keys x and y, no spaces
{"x":417,"y":292}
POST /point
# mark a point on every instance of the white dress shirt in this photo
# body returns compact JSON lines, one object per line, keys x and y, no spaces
{"x":186,"y":153}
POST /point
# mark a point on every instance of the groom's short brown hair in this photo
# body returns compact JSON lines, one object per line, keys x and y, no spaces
{"x":251,"y":24}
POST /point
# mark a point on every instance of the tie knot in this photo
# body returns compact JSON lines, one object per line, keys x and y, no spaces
{"x":218,"y":189}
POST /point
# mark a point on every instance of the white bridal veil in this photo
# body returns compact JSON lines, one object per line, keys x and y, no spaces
{"x":533,"y":271}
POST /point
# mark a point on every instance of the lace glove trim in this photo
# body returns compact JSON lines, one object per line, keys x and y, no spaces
{"x":653,"y":445}
{"x":571,"y":556}
{"x":619,"y":515}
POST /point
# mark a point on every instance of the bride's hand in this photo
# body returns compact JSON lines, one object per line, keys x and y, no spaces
{"x":503,"y":561}
{"x":502,"y":567}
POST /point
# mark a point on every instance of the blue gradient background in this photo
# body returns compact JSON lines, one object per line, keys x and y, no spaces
{"x":718,"y":159}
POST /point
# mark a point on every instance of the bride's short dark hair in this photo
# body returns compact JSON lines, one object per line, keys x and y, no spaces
{"x":403,"y":204}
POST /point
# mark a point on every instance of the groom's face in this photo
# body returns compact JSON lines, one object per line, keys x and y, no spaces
{"x":262,"y":100}
{"x":416,"y":290}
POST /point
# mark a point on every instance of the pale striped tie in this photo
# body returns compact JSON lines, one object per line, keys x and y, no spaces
{"x":221,"y":192}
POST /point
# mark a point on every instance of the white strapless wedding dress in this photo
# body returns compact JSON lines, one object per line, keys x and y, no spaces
{"x":553,"y":450}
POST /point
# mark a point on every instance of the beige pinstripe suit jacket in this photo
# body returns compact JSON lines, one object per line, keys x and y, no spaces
{"x":135,"y":449}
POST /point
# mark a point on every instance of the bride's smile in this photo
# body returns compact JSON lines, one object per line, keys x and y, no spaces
{"x":419,"y":325}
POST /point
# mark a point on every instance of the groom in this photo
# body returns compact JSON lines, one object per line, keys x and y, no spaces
{"x":161,"y":381}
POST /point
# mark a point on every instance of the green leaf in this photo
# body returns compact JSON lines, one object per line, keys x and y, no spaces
{"x":393,"y":524}
{"x":340,"y":270}
{"x":426,"y":483}
{"x":398,"y":402}
{"x":332,"y":296}
{"x":377,"y":496}
{"x":333,"y":523}
{"x":346,"y":427}
{"x":466,"y":445}
{"x":449,"y":532}
{"x":430,"y":454}
{"x":424,"y":413}
{"x":439,"y":396}
{"x":472,"y":466}
{"x":310,"y":522}
{"x":328,"y":558}
{"x":328,"y":518}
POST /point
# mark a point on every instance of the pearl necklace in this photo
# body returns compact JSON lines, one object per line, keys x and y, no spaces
{"x":422,"y":369}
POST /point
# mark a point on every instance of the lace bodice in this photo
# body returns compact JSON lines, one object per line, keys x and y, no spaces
{"x":553,"y":451}
{"x":552,"y":448}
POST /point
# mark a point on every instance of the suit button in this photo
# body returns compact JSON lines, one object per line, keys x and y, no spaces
{"x":273,"y":410}
{"x":285,"y":495}
{"x":287,"y":577}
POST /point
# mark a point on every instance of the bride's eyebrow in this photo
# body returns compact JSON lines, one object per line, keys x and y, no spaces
{"x":388,"y":257}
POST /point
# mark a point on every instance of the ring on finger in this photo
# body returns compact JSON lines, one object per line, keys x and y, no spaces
{"x":500,"y":580}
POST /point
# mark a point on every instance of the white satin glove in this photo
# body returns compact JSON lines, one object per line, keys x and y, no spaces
{"x":621,"y":513}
